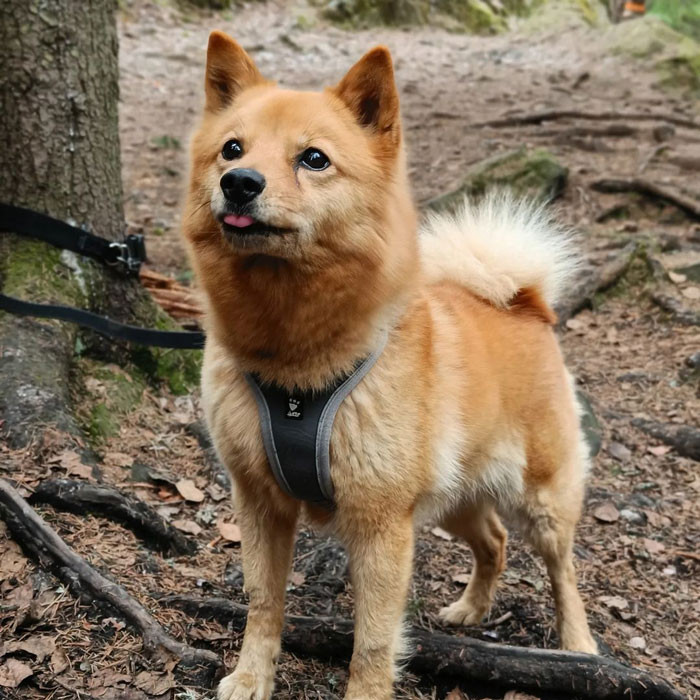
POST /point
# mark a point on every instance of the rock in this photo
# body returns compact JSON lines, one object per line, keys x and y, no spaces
{"x":632,"y":516}
{"x":691,"y":272}
{"x":618,"y":451}
{"x":559,"y":15}
{"x":676,"y":58}
{"x":473,"y":16}
{"x":533,"y":173}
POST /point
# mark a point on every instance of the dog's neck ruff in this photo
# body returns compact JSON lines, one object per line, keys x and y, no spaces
{"x":296,"y":430}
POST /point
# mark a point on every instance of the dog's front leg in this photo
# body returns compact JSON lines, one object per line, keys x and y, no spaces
{"x":267,"y":537}
{"x":381,"y":556}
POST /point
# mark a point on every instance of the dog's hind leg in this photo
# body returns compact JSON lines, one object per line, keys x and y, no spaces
{"x":482,"y":529}
{"x":381,"y":554}
{"x":549,"y":518}
{"x":267,"y":538}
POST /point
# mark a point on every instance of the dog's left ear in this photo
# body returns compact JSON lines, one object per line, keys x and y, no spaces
{"x":369,"y":90}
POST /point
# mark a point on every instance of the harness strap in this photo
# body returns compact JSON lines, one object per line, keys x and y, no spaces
{"x":296,"y":430}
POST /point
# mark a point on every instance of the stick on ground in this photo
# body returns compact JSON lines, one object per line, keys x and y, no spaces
{"x":553,"y":115}
{"x":80,"y":497}
{"x":461,"y":658}
{"x":652,"y":190}
{"x":40,"y":540}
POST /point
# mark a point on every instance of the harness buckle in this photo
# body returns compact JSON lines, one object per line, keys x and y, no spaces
{"x":131,"y":253}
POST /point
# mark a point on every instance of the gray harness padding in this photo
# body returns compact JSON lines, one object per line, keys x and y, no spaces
{"x":296,"y":429}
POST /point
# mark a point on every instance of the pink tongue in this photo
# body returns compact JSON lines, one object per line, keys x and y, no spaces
{"x":238,"y":221}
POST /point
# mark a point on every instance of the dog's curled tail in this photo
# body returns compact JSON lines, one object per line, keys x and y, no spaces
{"x":510,"y":252}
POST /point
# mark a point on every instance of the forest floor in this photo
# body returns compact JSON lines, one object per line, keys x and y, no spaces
{"x":638,"y":544}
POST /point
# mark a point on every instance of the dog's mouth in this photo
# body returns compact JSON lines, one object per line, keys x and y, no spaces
{"x":242,"y":225}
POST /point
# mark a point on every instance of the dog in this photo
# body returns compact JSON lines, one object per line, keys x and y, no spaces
{"x":304,"y":239}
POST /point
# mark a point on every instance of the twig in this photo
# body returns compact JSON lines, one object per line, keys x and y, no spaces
{"x":686,"y":555}
{"x":649,"y":189}
{"x":498,"y":621}
{"x":81,"y":497}
{"x":463,"y":658}
{"x":551,"y":115}
{"x":41,"y":540}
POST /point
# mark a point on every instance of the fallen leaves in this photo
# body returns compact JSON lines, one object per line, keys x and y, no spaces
{"x":187,"y":489}
{"x":154,"y":683}
{"x":606,"y":513}
{"x":652,"y":546}
{"x":614,"y":601}
{"x":189,"y":526}
{"x":229,"y":531}
{"x":13,"y":672}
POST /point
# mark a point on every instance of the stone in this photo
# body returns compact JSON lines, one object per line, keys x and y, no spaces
{"x":531,"y":173}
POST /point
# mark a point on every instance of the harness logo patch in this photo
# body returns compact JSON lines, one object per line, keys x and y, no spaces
{"x":295,"y":408}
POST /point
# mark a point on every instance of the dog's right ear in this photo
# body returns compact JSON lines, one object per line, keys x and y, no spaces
{"x":229,"y":70}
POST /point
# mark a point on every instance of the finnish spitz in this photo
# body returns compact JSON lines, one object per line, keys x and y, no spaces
{"x":304,"y":238}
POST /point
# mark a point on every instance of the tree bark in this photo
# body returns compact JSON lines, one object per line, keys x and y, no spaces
{"x":59,"y":154}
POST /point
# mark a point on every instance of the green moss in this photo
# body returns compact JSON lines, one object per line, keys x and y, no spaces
{"x":536,"y":174}
{"x":104,"y":395}
{"x":103,"y":423}
{"x":548,"y":15}
{"x":35,"y":271}
{"x":178,"y":369}
{"x":473,"y":16}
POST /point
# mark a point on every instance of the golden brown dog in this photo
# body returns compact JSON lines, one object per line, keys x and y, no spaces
{"x":307,"y":254}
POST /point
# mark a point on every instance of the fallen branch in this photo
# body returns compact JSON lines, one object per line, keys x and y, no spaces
{"x":685,"y":439}
{"x":552,"y":115}
{"x":590,"y":281}
{"x":105,"y":501}
{"x":461,"y":658}
{"x":41,"y":541}
{"x":649,"y":189}
{"x":680,"y":313}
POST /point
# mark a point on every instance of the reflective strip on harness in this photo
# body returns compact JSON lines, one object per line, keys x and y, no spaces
{"x":296,"y":429}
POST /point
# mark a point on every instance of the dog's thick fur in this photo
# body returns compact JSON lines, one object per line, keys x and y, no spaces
{"x":469,"y":412}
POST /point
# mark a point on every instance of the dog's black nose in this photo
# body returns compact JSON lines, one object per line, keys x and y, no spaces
{"x":242,"y":185}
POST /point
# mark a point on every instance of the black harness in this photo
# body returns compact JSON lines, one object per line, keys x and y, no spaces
{"x":296,"y":429}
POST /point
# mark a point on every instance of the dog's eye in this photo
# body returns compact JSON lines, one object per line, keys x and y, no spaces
{"x":232,"y":149}
{"x":313,"y":159}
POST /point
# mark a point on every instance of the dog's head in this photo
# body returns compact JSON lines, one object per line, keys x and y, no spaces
{"x":297,"y":175}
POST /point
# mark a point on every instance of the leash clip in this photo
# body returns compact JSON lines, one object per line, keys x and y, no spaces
{"x":131,"y":253}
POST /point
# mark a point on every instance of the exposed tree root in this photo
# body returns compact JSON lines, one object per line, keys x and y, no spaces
{"x":649,"y":189}
{"x":42,"y":542}
{"x":105,"y":501}
{"x":679,"y":312}
{"x":552,"y":115}
{"x":591,"y":281}
{"x":685,"y":439}
{"x":461,"y":658}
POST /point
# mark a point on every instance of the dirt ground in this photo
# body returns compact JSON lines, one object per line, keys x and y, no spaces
{"x":638,"y":544}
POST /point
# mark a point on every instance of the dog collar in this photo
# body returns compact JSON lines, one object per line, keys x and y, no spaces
{"x":296,"y":430}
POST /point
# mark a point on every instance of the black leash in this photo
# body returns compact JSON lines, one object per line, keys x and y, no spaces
{"x":125,"y":256}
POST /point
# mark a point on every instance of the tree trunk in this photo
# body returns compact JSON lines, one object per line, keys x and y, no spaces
{"x":59,"y":154}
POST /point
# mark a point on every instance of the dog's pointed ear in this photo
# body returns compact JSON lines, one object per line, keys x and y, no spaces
{"x":229,"y":70}
{"x":369,"y":90}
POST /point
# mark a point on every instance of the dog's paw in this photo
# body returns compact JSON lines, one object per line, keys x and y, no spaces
{"x":244,"y":685}
{"x":462,"y":613}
